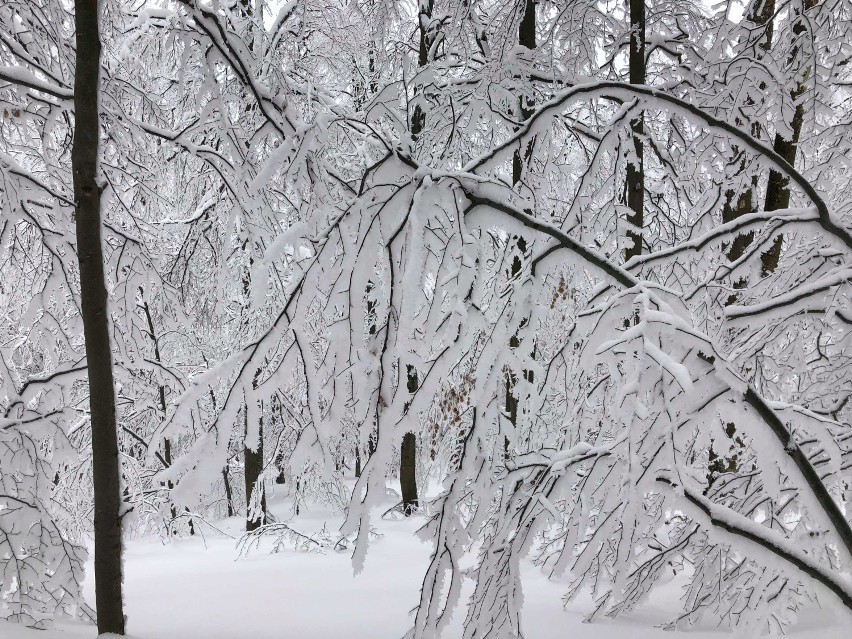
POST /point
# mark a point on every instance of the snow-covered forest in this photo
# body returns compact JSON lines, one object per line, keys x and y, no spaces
{"x":473,"y":319}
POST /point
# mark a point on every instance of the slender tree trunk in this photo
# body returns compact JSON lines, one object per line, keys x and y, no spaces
{"x":253,"y":459}
{"x":635,"y":181}
{"x":229,"y":496}
{"x":372,"y":327}
{"x":106,"y":474}
{"x":408,"y":455}
{"x":408,"y":448}
{"x":526,"y":38}
{"x":408,"y":474}
{"x":167,"y":444}
{"x":738,"y":204}
{"x":253,"y":451}
{"x":357,"y":460}
{"x":778,"y":188}
{"x":424,"y":17}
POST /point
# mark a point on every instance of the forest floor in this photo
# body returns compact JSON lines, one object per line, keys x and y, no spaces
{"x":199,"y":588}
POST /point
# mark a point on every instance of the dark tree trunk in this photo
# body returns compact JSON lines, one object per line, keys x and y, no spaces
{"x":252,"y":458}
{"x":408,"y":449}
{"x":424,"y":17}
{"x":731,"y":210}
{"x":778,"y":188}
{"x":372,"y":327}
{"x":526,"y":38}
{"x":253,"y":469}
{"x":229,"y":496}
{"x":743,"y":203}
{"x":408,"y":474}
{"x":167,"y":456}
{"x":106,"y":474}
{"x":738,"y":204}
{"x":635,"y":180}
{"x":408,"y":455}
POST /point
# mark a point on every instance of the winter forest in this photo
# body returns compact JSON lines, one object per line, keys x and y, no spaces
{"x":472,"y":319}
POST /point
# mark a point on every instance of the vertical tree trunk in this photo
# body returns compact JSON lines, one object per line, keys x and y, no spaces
{"x":229,"y":497}
{"x":253,"y":458}
{"x":778,"y":188}
{"x":252,"y":451}
{"x":372,"y":327}
{"x":526,"y":38}
{"x":408,"y":448}
{"x":635,"y":181}
{"x":408,"y":455}
{"x":167,"y":444}
{"x":424,"y":17}
{"x":738,"y":204}
{"x":407,"y":474}
{"x":106,"y":475}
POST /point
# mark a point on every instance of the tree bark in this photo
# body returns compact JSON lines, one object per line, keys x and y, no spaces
{"x":424,"y":17}
{"x":253,"y":459}
{"x":408,"y":448}
{"x":743,"y":203}
{"x":229,"y":499}
{"x":408,"y":474}
{"x":357,"y":460}
{"x":635,"y":180}
{"x":778,"y":188}
{"x":526,"y":38}
{"x":106,"y":475}
{"x":408,"y":455}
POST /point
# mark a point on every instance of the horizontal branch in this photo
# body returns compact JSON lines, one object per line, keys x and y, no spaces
{"x":22,"y":77}
{"x":741,"y":224}
{"x":822,"y":285}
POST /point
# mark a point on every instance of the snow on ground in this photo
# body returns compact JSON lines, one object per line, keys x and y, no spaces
{"x":198,"y":589}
